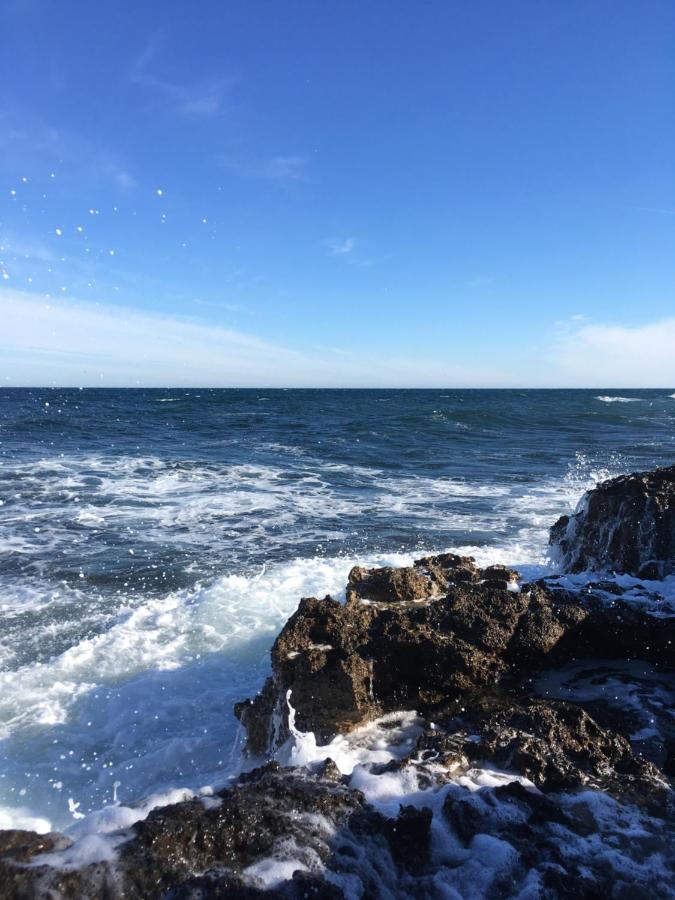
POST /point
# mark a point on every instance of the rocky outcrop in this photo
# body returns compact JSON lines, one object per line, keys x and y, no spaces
{"x":324,"y":840}
{"x":558,"y":746}
{"x":198,"y":849}
{"x":430,"y":635}
{"x":623,"y":525}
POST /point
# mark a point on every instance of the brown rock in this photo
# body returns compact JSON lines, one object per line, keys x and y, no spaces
{"x":626,"y":525}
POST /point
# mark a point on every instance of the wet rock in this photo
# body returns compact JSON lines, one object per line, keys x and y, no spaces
{"x":257,"y":717}
{"x":558,"y":746}
{"x":329,"y":771}
{"x":429,"y":577}
{"x":565,"y":845}
{"x":625,"y":525}
{"x":346,"y":664}
{"x":22,"y":846}
{"x":408,"y":836}
{"x":270,"y":813}
{"x":388,"y":585}
{"x":271,"y":805}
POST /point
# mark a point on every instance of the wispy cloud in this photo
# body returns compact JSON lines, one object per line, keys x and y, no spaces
{"x":662,"y":211}
{"x":204,"y":99}
{"x":352,"y":252}
{"x":222,"y":305}
{"x":17,"y":248}
{"x":273,"y":168}
{"x":70,"y":342}
{"x":341,"y":247}
{"x":35,"y":148}
{"x":482,"y":281}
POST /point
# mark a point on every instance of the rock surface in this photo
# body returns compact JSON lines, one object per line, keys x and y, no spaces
{"x":623,"y":525}
{"x":398,"y":643}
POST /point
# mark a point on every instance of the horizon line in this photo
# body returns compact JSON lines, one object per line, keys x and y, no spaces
{"x":140,"y":387}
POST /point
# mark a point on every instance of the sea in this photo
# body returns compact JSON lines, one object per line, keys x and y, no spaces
{"x":153,"y":542}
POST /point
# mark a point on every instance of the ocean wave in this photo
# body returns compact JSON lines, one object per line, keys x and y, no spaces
{"x":151,"y":696}
{"x":613,"y":399}
{"x":124,"y":681}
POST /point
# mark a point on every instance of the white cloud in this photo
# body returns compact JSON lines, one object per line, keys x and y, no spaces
{"x":36,"y":148}
{"x":200,"y":99}
{"x":16,"y":248}
{"x":341,"y":247}
{"x":273,"y":168}
{"x":656,"y":209}
{"x":605,"y":355}
{"x":74,"y":343}
{"x":482,"y":281}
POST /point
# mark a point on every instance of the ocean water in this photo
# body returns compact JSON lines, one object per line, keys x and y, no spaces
{"x":153,"y":542}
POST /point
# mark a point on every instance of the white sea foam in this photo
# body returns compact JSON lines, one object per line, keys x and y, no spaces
{"x":148,"y":701}
{"x":138,"y":688}
{"x":20,"y":818}
{"x":208,"y":505}
{"x":614,"y":399}
{"x":462,"y":871}
{"x":657,"y":598}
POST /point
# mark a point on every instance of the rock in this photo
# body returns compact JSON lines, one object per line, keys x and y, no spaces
{"x":625,"y":525}
{"x":270,"y":812}
{"x":390,"y":585}
{"x":550,"y":838}
{"x":429,"y":577}
{"x":264,"y":808}
{"x":346,"y":664}
{"x":22,"y":846}
{"x":558,"y":746}
{"x":409,"y":837}
{"x":258,"y":718}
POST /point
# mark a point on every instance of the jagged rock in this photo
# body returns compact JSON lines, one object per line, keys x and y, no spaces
{"x":558,"y":746}
{"x":390,"y":585}
{"x":258,"y":718}
{"x":262,"y":815}
{"x":22,"y":846}
{"x":345,"y":664}
{"x":409,"y":837}
{"x":429,"y":577}
{"x":625,"y":525}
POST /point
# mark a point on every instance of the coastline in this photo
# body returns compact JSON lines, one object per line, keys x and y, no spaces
{"x":512,"y":728}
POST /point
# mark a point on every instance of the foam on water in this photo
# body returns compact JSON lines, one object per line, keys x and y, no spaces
{"x":614,"y":399}
{"x":467,"y":872}
{"x":153,"y":546}
{"x":136,"y":686}
{"x":53,"y":506}
{"x":148,"y":701}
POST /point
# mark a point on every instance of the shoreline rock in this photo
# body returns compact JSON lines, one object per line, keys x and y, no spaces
{"x":625,"y":525}
{"x":403,"y":646}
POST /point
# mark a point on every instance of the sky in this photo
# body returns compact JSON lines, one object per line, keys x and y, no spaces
{"x":384,"y":193}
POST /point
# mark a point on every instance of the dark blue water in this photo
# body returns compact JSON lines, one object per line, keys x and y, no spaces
{"x":153,"y":541}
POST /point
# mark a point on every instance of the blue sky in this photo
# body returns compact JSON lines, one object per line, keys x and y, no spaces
{"x":355,"y":193}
